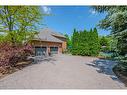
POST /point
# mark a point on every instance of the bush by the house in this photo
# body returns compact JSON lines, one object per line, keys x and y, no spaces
{"x":10,"y":55}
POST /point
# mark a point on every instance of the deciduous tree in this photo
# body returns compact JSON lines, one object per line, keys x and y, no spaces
{"x":17,"y":20}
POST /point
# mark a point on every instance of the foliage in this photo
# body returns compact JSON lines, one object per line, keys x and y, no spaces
{"x":104,"y":41}
{"x":116,"y":22}
{"x":105,"y":44}
{"x":121,"y":67}
{"x":18,"y":25}
{"x":1,"y":38}
{"x":10,"y":55}
{"x":105,"y":55}
{"x":69,"y":43}
{"x":85,"y":43}
{"x":17,"y":20}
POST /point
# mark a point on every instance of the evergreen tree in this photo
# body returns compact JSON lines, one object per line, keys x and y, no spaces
{"x":105,"y":44}
{"x":103,"y":41}
{"x":75,"y":40}
{"x":68,"y":41}
{"x":115,"y":21}
{"x":85,"y":43}
{"x":96,"y":43}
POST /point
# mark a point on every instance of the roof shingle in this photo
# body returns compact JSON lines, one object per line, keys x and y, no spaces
{"x":49,"y":35}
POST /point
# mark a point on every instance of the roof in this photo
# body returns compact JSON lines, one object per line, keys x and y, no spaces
{"x":49,"y":35}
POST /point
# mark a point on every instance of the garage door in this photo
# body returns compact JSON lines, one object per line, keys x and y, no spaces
{"x":39,"y":51}
{"x":54,"y":50}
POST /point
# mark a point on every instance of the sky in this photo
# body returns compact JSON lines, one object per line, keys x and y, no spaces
{"x":64,"y":19}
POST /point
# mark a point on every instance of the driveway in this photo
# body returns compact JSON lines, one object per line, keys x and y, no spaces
{"x":63,"y":72}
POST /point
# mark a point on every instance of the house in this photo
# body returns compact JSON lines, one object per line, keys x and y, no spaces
{"x":47,"y":41}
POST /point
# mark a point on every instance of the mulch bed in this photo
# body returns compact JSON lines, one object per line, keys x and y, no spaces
{"x":4,"y":71}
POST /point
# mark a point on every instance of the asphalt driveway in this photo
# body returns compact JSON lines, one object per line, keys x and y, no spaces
{"x":63,"y":72}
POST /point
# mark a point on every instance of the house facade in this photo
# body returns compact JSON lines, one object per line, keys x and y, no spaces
{"x":48,"y":41}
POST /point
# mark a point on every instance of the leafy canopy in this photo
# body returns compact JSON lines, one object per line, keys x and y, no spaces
{"x":17,"y":20}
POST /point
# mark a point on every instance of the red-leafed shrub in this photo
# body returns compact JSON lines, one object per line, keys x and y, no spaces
{"x":10,"y":55}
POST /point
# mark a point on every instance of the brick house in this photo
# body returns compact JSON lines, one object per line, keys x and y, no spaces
{"x":48,"y":41}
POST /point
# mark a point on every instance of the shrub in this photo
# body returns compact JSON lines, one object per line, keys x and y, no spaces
{"x":10,"y":55}
{"x":121,"y":67}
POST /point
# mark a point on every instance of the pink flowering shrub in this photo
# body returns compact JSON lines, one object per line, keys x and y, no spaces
{"x":10,"y":55}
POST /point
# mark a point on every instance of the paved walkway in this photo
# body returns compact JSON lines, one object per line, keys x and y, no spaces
{"x":64,"y":71}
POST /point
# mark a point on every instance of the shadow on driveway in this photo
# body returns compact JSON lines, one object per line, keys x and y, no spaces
{"x":105,"y":67}
{"x":51,"y":60}
{"x":45,"y":60}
